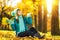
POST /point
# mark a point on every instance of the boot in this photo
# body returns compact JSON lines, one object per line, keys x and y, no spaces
{"x":39,"y":36}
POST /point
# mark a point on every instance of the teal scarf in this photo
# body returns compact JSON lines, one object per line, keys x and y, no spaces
{"x":21,"y":24}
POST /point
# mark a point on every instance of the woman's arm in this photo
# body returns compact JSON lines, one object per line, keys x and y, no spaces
{"x":11,"y":23}
{"x":29,"y":19}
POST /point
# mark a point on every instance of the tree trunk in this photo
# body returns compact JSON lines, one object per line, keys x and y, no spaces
{"x":45,"y":20}
{"x":40,"y":17}
{"x":55,"y":20}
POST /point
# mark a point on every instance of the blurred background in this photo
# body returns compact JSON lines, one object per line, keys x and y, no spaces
{"x":45,"y":14}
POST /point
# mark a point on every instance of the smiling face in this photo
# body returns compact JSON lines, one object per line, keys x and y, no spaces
{"x":19,"y":13}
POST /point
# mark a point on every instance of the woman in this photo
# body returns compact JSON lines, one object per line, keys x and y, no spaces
{"x":21,"y":28}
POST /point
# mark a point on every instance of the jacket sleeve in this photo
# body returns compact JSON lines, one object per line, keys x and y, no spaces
{"x":29,"y":20}
{"x":11,"y":23}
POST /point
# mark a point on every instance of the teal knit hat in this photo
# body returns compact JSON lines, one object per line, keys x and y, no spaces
{"x":13,"y":13}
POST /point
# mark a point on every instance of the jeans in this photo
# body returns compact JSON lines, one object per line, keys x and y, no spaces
{"x":31,"y":32}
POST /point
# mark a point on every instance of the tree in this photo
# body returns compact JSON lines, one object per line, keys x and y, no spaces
{"x":40,"y":16}
{"x":55,"y":20}
{"x":45,"y":19}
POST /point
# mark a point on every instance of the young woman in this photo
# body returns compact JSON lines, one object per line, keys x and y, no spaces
{"x":21,"y":28}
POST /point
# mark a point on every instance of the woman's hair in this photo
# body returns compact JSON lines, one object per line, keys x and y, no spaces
{"x":17,"y":10}
{"x":16,"y":15}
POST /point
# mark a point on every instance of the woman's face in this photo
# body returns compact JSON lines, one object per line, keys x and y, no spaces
{"x":19,"y":13}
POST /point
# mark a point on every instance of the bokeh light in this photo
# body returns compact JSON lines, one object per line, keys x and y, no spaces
{"x":49,"y":5}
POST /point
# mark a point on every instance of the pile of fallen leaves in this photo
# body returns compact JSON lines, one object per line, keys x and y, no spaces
{"x":10,"y":35}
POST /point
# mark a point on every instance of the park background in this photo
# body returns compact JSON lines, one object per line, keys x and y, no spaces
{"x":45,"y":15}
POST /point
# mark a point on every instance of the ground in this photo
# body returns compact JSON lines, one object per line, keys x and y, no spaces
{"x":10,"y":35}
